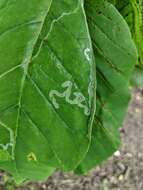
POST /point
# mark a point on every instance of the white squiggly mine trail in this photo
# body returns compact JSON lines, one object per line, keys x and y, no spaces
{"x":54,"y":22}
{"x":87,"y":54}
{"x":78,"y":100}
{"x":11,"y":138}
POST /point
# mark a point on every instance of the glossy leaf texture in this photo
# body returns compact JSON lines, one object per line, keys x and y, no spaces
{"x":47,"y":86}
{"x":115,"y":55}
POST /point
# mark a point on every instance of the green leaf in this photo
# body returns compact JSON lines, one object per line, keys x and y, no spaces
{"x":132,"y":11}
{"x":10,"y":167}
{"x":115,"y":55}
{"x":47,"y":85}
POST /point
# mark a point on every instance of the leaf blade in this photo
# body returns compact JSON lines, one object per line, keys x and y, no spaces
{"x":48,"y":85}
{"x":115,"y":56}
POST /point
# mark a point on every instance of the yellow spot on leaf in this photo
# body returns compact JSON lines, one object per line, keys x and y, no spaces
{"x":31,"y":157}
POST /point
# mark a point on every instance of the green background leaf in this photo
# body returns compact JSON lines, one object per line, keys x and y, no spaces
{"x":132,"y":11}
{"x":115,"y":56}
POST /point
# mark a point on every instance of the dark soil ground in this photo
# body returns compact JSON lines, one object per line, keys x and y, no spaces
{"x":123,"y":171}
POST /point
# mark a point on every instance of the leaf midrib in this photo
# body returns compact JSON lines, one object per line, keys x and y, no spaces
{"x":25,"y":72}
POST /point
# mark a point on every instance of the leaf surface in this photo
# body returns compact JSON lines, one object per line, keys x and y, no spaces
{"x":132,"y":12}
{"x":115,"y":56}
{"x":47,"y":85}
